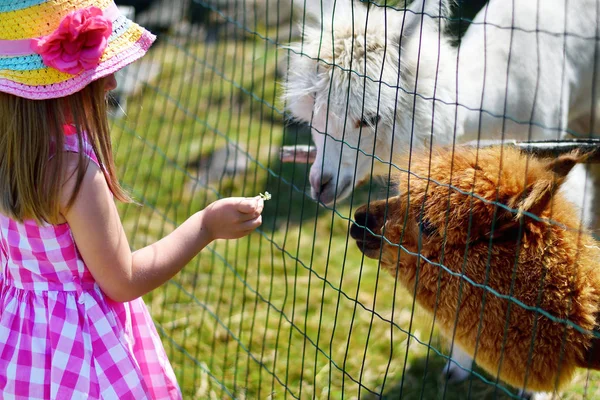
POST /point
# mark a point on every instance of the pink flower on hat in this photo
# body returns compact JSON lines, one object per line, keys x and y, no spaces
{"x":78,"y":43}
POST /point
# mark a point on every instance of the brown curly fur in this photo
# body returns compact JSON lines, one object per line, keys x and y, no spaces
{"x":554,"y":263}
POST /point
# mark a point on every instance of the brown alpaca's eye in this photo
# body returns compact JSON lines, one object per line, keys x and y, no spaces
{"x":367,"y":121}
{"x":426,"y":228}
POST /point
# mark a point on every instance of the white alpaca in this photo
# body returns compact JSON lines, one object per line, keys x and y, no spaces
{"x":382,"y":82}
{"x":514,"y":61}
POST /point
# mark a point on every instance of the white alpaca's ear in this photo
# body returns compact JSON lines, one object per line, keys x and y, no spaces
{"x":299,"y":86}
{"x":432,"y":13}
{"x":431,"y":8}
{"x":314,"y":10}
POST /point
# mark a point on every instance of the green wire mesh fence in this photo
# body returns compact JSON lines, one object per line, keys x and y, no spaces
{"x":294,"y":310}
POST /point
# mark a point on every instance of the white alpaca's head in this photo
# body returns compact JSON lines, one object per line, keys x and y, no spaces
{"x":351,"y":82}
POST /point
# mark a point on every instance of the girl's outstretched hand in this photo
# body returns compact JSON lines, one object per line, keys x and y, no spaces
{"x":232,"y":217}
{"x":101,"y":240}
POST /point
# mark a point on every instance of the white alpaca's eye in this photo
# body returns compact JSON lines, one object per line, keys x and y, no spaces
{"x":367,"y":121}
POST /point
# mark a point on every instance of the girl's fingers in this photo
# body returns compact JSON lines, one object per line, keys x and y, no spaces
{"x":251,"y":224}
{"x":246,"y":233}
{"x":260,"y":205}
{"x":248,"y":227}
{"x":248,"y":217}
{"x":254,"y":213}
{"x":250,"y":205}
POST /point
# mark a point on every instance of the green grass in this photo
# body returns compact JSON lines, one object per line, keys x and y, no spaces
{"x":293,"y":310}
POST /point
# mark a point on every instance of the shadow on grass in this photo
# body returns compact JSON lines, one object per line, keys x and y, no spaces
{"x":424,"y":381}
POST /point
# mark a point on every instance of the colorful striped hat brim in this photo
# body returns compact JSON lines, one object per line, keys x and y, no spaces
{"x":41,"y":59}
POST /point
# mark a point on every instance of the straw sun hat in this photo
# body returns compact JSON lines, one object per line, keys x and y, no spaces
{"x":54,"y":48}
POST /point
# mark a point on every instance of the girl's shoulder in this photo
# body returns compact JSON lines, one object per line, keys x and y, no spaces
{"x":74,"y":147}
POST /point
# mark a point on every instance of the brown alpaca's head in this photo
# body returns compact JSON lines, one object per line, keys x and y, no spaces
{"x":497,"y":218}
{"x":468,"y":198}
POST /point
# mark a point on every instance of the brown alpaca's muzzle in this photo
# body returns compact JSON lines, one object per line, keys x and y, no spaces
{"x":371,"y":226}
{"x":366,"y":230}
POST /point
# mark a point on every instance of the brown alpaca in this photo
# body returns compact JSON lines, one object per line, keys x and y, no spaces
{"x":551,"y":264}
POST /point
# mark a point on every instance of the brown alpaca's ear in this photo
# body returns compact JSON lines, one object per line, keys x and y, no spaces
{"x":533,"y":200}
{"x":562,"y":165}
{"x":537,"y":196}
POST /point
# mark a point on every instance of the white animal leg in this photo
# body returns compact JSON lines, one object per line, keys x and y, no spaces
{"x":458,"y":368}
{"x":536,"y":395}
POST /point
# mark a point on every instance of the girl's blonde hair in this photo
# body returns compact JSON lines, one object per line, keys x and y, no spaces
{"x":31,"y":133}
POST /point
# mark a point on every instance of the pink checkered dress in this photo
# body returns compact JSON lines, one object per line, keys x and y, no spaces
{"x":60,"y":336}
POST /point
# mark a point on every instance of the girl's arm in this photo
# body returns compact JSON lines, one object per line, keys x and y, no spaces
{"x":101,"y":240}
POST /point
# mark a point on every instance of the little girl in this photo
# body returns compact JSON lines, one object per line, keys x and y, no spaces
{"x":72,"y":323}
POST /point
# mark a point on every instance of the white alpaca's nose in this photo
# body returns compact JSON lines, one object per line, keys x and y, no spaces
{"x":319,"y":184}
{"x":326,"y":188}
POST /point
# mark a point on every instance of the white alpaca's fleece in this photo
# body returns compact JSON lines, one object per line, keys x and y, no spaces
{"x":381,"y":81}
